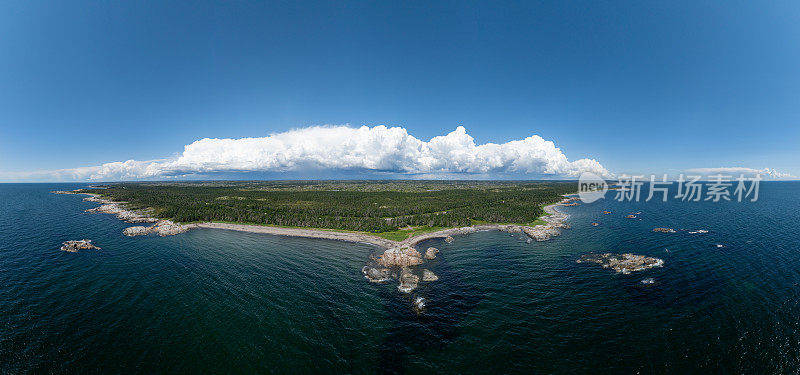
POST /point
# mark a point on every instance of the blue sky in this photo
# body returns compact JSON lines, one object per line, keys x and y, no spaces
{"x":644,"y":87}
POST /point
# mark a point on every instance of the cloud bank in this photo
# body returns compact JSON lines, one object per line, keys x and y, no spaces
{"x":735,"y":171}
{"x":379,"y":150}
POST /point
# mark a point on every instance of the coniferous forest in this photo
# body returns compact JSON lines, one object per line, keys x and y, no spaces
{"x":369,"y":206}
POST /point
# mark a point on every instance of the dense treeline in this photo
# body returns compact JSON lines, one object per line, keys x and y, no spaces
{"x":361,"y":206}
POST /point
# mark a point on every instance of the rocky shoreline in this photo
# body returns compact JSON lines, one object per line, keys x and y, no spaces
{"x":161,"y":228}
{"x":555,"y":221}
{"x":399,"y":260}
{"x":118,"y":209}
{"x":554,"y":224}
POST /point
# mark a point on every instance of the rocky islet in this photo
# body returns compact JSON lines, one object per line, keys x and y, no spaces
{"x":622,"y":263}
{"x":73,"y":246}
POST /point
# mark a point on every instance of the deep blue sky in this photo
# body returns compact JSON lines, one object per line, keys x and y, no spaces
{"x":639,"y":86}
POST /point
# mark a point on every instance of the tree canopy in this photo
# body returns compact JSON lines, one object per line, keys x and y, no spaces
{"x":369,"y":206}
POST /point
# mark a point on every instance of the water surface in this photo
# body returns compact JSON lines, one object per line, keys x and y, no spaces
{"x":215,"y":300}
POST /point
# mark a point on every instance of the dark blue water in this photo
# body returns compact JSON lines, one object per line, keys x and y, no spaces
{"x":220,"y":301}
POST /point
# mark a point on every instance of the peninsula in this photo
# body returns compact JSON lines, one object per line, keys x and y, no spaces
{"x":389,"y":214}
{"x":393,"y":215}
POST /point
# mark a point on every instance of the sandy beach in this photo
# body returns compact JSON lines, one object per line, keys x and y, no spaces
{"x":353,"y":237}
{"x":299,"y":232}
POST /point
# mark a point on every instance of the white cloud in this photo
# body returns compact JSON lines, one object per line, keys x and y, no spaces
{"x":380,"y":150}
{"x":766,"y":172}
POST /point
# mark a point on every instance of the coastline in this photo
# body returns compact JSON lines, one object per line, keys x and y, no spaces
{"x":298,"y":232}
{"x":161,"y":227}
{"x":554,"y":222}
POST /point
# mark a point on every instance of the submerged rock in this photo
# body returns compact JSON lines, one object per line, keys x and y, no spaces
{"x":431,"y":253}
{"x":408,"y":280}
{"x":419,"y":304}
{"x":664,"y":230}
{"x":376,"y":275}
{"x":622,"y":263}
{"x":448,"y":239}
{"x":427,"y":275}
{"x":74,"y":246}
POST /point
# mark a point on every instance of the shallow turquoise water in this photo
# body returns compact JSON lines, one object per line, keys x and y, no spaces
{"x":214,"y":300}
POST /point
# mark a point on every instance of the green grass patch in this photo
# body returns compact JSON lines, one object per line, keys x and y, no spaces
{"x":399,"y":235}
{"x":535,"y":222}
{"x":538,"y":222}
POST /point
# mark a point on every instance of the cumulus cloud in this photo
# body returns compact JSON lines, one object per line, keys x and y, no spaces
{"x":378,"y":150}
{"x":766,"y":172}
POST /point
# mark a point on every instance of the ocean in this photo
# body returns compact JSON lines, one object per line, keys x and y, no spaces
{"x":211,"y":301}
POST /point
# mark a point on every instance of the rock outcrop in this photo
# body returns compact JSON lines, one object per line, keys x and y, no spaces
{"x":398,"y":261}
{"x":664,"y":230}
{"x":63,"y":192}
{"x":510,"y":228}
{"x":385,"y":267}
{"x":136,"y":231}
{"x":622,"y":263}
{"x":400,"y":257}
{"x":555,"y":222}
{"x":431,"y":253}
{"x":542,"y":232}
{"x":376,"y":275}
{"x":161,"y":228}
{"x":427,"y":275}
{"x":408,"y":280}
{"x":73,"y":246}
{"x":168,"y":228}
{"x":419,"y":304}
{"x":122,"y":213}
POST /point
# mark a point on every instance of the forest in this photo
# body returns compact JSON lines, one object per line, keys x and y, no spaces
{"x":367,"y":206}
